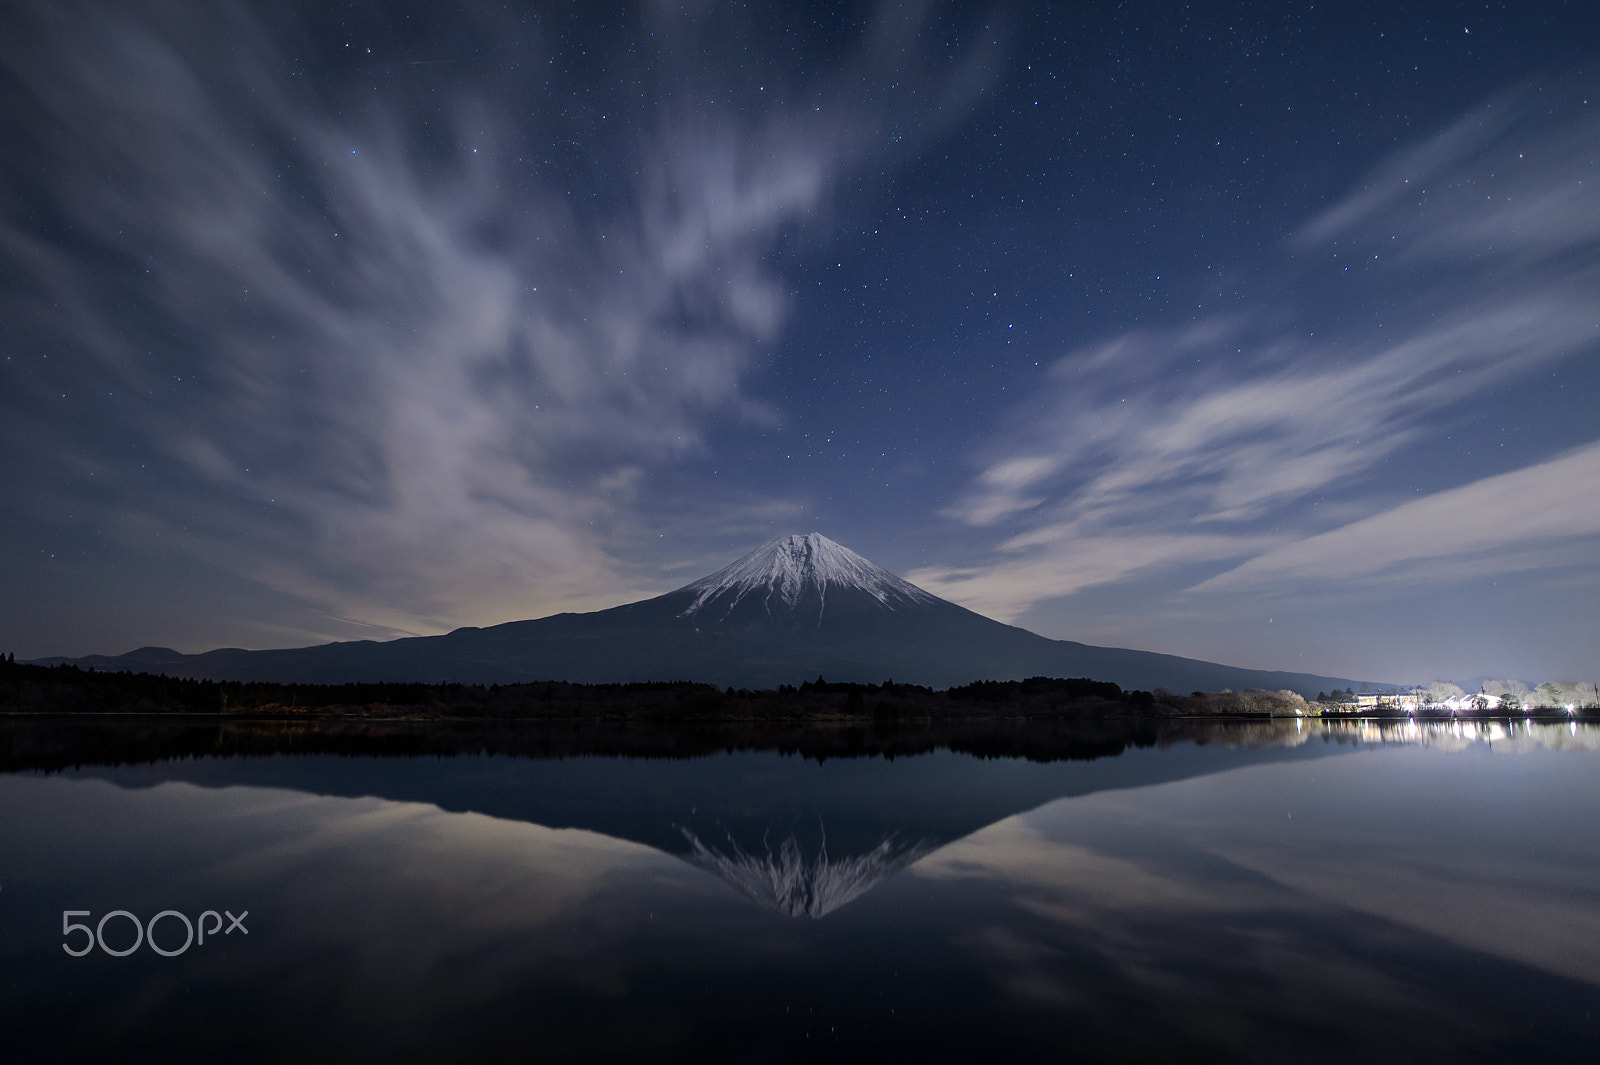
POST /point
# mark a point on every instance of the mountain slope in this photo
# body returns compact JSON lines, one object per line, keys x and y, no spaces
{"x":793,"y":609}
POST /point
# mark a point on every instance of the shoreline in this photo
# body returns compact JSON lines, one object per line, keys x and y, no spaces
{"x":46,"y":742}
{"x":67,"y":691}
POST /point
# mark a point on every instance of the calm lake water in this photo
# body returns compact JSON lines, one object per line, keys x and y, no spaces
{"x":1317,"y":893}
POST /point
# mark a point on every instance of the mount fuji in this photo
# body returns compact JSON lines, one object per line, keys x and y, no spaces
{"x":791,"y":610}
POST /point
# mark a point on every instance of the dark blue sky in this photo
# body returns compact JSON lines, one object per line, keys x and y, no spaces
{"x":1266,"y":334}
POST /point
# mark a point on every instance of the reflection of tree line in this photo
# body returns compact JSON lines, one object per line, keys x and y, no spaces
{"x":62,"y":742}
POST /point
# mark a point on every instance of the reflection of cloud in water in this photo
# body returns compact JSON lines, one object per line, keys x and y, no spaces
{"x":792,"y":882}
{"x":401,"y":890}
{"x":1435,"y":835}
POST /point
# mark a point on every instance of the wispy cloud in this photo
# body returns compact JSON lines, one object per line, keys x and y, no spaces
{"x":387,"y":363}
{"x":1493,"y":523}
{"x":1060,"y":560}
{"x":1158,"y":450}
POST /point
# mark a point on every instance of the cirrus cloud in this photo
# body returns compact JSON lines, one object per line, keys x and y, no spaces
{"x":406,"y":355}
{"x":1260,"y":442}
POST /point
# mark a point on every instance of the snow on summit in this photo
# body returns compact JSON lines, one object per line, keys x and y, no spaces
{"x":790,"y":568}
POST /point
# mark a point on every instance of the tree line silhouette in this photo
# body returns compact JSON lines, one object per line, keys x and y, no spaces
{"x":67,"y":689}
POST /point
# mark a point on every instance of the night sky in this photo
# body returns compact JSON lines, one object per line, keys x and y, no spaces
{"x":1262,"y":333}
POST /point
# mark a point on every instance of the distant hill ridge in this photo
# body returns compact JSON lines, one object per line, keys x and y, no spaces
{"x":796,"y":608}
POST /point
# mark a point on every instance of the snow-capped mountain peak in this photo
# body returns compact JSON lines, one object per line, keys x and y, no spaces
{"x":790,"y":570}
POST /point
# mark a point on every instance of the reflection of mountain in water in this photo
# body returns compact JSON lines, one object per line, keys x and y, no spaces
{"x":798,"y":884}
{"x":769,"y":807}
